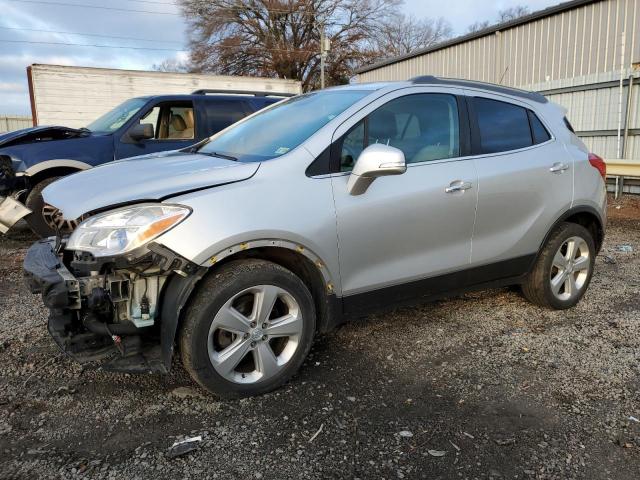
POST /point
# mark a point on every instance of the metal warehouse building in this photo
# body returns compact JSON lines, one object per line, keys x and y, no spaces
{"x":582,"y":54}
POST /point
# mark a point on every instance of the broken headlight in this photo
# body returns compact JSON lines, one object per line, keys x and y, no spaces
{"x":125,"y":229}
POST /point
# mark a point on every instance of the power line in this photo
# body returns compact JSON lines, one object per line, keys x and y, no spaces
{"x":88,"y":35}
{"x":149,"y":48}
{"x":99,"y":7}
{"x":152,"y":2}
{"x":90,"y":45}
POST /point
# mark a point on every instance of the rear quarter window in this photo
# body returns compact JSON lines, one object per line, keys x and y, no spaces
{"x":538,"y":130}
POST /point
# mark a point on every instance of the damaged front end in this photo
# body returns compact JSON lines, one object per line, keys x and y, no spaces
{"x":11,"y":187}
{"x":109,"y":311}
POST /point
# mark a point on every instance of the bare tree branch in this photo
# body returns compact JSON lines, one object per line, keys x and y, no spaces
{"x":281,"y":38}
{"x":505,"y":15}
{"x":405,"y":34}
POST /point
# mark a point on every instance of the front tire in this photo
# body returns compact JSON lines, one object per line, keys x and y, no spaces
{"x":563,"y":270}
{"x":248,"y":329}
{"x":45,"y":220}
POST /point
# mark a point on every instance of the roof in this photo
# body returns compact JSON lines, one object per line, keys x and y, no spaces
{"x":491,"y":87}
{"x":547,"y":12}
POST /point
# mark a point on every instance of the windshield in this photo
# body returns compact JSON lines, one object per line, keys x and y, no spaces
{"x":282,"y":128}
{"x":114,"y":119}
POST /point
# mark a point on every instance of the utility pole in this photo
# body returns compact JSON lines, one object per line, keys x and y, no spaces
{"x":325,"y":46}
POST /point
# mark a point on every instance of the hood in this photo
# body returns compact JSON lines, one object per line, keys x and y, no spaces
{"x":41,"y":134}
{"x":138,"y":179}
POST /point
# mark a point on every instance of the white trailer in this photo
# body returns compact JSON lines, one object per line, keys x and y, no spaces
{"x":75,"y":96}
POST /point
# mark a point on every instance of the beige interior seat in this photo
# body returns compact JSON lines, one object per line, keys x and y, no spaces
{"x":181,"y":127}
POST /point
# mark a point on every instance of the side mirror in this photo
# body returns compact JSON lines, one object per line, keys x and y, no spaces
{"x":141,"y":131}
{"x":375,"y":161}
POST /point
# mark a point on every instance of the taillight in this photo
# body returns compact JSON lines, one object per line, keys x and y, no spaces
{"x":598,"y":163}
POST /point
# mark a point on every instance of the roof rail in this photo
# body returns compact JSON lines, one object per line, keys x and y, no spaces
{"x":205,"y":91}
{"x":492,"y":87}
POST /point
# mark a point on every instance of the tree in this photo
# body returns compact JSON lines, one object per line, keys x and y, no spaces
{"x":281,"y":38}
{"x":403,"y":34}
{"x":512,"y":13}
{"x":505,"y":15}
{"x":477,"y":26}
{"x":171,"y":65}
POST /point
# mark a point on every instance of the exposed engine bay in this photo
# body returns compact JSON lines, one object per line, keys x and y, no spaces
{"x":106,"y":311}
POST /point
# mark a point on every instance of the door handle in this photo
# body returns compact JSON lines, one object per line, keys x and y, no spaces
{"x":458,"y":186}
{"x":559,"y":167}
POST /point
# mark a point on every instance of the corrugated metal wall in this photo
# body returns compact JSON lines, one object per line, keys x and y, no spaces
{"x":595,"y":113}
{"x":9,"y":123}
{"x":75,"y":96}
{"x":578,"y":42}
{"x":596,"y":43}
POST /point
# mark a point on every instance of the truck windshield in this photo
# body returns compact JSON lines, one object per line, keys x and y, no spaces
{"x":114,"y":119}
{"x":282,"y":128}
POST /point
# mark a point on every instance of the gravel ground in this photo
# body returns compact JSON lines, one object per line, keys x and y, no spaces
{"x":479,"y":386}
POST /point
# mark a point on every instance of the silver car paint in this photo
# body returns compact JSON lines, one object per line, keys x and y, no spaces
{"x":404,"y":227}
{"x":519,"y":197}
{"x":150,"y":177}
{"x":269,"y":207}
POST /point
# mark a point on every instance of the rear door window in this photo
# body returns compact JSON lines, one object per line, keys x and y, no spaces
{"x":224,"y":112}
{"x":502,"y":126}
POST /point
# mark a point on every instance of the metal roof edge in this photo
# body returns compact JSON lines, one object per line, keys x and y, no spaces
{"x":561,"y":7}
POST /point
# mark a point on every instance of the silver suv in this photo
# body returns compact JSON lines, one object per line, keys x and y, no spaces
{"x":240,"y":249}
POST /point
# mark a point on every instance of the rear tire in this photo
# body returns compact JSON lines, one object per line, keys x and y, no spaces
{"x":563,"y":269}
{"x":248,"y":329}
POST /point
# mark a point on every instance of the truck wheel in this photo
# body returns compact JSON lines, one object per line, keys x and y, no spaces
{"x":45,"y":220}
{"x":248,"y":329}
{"x":563,"y":269}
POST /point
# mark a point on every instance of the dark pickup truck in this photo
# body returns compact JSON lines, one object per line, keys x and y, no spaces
{"x":32,"y":158}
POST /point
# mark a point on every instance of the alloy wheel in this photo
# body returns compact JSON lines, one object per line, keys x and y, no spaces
{"x":570,"y":268}
{"x":255,"y":334}
{"x":55,"y":220}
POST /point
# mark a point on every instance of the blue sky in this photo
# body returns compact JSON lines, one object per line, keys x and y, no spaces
{"x":166,"y":24}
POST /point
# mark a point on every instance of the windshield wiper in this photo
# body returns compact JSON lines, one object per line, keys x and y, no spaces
{"x":217,"y":154}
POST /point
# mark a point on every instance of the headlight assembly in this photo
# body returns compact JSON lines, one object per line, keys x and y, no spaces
{"x":125,"y":229}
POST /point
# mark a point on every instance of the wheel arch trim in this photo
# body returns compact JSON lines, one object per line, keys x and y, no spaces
{"x":569,"y":213}
{"x":50,"y":164}
{"x":295,"y":247}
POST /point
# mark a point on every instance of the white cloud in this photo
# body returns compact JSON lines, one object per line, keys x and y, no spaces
{"x":11,"y":87}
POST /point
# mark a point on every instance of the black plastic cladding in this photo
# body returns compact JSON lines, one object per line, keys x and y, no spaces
{"x":491,"y":87}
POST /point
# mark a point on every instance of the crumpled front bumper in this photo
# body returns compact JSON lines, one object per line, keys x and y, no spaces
{"x":11,"y":211}
{"x":45,"y":273}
